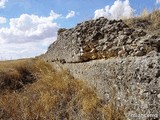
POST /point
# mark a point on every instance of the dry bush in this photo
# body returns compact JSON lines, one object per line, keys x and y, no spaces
{"x":147,"y":21}
{"x":144,"y":13}
{"x":53,"y":96}
{"x":14,"y":75}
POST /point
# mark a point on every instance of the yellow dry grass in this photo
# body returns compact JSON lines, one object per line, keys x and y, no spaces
{"x":49,"y":95}
{"x":147,"y":21}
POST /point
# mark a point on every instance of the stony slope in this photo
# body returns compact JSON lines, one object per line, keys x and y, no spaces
{"x":111,"y":56}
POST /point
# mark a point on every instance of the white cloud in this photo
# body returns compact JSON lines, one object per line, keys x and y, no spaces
{"x":3,"y":20}
{"x":70,"y":14}
{"x":27,"y":35}
{"x":54,"y":15}
{"x":118,"y":10}
{"x":157,"y":1}
{"x":15,"y":51}
{"x":2,"y":3}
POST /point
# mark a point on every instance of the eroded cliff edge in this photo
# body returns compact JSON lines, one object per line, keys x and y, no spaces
{"x":111,"y":56}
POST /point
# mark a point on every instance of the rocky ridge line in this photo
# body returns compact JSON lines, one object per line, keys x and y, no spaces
{"x":101,"y":38}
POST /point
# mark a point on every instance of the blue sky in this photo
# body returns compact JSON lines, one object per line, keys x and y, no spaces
{"x":27,"y":27}
{"x":85,"y":8}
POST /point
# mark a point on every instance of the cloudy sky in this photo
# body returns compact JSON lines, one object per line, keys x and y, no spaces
{"x":28,"y":27}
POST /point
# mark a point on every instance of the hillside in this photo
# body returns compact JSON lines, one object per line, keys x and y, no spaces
{"x":120,"y":56}
{"x":98,"y":70}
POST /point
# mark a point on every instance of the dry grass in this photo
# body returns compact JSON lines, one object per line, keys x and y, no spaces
{"x":147,"y":21}
{"x":49,"y":95}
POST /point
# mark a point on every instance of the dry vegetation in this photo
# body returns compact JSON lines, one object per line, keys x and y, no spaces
{"x":147,"y":21}
{"x":32,"y":90}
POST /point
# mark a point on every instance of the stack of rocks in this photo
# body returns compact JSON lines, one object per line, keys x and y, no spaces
{"x":101,"y":38}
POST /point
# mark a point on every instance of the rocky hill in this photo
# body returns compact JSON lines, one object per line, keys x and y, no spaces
{"x":114,"y":58}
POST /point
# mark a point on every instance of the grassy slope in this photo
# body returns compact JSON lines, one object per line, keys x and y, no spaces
{"x":31,"y":89}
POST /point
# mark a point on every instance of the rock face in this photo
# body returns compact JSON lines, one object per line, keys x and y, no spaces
{"x":101,"y":38}
{"x":111,"y":56}
{"x":136,"y":81}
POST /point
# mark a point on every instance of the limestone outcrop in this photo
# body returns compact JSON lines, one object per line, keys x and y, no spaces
{"x":101,"y":39}
{"x":111,"y":56}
